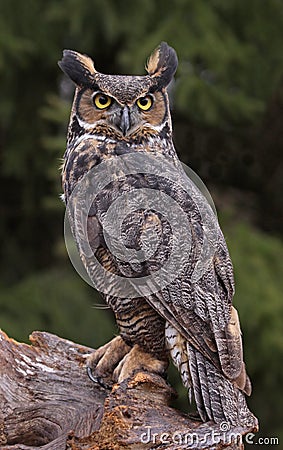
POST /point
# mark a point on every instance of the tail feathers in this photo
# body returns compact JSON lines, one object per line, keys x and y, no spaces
{"x":177,"y":346}
{"x":201,"y":389}
{"x":217,"y":398}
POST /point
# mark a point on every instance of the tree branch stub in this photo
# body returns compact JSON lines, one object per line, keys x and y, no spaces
{"x":48,"y":402}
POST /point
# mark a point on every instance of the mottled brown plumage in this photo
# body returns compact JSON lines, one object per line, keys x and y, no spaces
{"x":192,"y":320}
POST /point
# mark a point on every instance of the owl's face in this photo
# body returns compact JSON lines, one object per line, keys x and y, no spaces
{"x":104,"y":109}
{"x":123,"y":107}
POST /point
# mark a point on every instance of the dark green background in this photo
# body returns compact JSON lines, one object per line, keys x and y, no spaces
{"x":227,"y":106}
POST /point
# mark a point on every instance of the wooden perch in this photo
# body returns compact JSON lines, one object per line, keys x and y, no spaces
{"x":48,"y":402}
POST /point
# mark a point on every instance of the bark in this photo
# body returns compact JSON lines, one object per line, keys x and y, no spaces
{"x":48,"y":402}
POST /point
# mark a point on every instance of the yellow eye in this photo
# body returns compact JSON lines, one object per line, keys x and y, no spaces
{"x":145,"y":103}
{"x":102,"y":101}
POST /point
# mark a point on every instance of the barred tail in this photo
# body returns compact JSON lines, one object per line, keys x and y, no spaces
{"x":177,"y":347}
{"x":216,"y":397}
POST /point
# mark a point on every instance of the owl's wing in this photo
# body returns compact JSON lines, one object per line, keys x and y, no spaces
{"x":203,"y":314}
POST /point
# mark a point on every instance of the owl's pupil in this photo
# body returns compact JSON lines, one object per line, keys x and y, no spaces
{"x":103,"y":100}
{"x":143,"y":101}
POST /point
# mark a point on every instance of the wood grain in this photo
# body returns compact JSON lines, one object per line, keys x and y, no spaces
{"x":48,"y":402}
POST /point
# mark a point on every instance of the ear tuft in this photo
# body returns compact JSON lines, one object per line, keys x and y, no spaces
{"x":78,"y":67}
{"x":162,"y":64}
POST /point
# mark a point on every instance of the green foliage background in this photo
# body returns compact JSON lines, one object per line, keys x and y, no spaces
{"x":227,"y":111}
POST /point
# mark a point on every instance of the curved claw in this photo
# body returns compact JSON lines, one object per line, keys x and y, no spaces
{"x":95,"y":379}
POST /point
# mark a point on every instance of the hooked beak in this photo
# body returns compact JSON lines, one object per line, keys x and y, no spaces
{"x":125,"y":121}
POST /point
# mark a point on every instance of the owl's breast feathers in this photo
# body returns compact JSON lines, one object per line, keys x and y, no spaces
{"x":88,"y":150}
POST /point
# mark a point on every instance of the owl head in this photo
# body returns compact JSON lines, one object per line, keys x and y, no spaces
{"x":121,"y":106}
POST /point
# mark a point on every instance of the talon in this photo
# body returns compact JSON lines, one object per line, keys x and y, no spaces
{"x":97,"y":380}
{"x":90,"y":374}
{"x":101,"y":363}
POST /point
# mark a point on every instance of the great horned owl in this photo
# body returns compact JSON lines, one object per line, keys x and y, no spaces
{"x":190,"y":319}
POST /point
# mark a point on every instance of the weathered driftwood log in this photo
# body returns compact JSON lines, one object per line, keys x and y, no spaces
{"x":48,"y":402}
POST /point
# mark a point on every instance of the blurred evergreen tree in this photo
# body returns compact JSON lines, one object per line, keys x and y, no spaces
{"x":54,"y":300}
